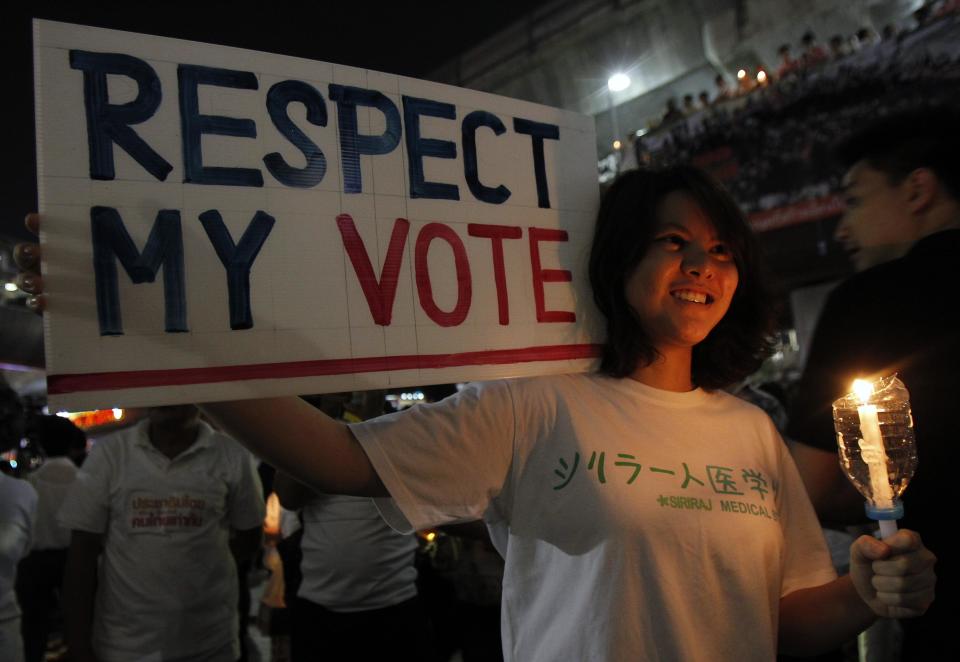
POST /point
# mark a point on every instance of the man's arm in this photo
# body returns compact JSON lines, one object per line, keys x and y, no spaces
{"x":301,"y":441}
{"x":79,"y":592}
{"x":890,"y":579}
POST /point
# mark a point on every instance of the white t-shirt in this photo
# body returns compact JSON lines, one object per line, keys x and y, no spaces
{"x":640,"y":524}
{"x":352,"y":560}
{"x":168,"y":584}
{"x":18,"y":510}
{"x":52,"y":482}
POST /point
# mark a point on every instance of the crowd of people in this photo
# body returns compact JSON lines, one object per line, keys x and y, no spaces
{"x":771,"y":143}
{"x":124,"y":552}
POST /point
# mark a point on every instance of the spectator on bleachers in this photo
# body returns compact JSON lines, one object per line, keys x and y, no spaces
{"x":689,"y":106}
{"x":923,"y":16}
{"x":946,"y":8}
{"x":865,"y":38}
{"x":787,"y":62}
{"x":672,"y":113}
{"x":723,"y":90}
{"x":813,"y":53}
{"x":839,"y":48}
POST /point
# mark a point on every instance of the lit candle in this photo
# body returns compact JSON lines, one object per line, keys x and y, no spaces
{"x":872,"y":451}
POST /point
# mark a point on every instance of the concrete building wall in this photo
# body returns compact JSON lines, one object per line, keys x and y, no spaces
{"x":562,"y":53}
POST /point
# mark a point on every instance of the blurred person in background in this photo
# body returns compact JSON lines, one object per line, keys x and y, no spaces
{"x":18,"y":511}
{"x":672,"y":113}
{"x":787,"y":63}
{"x":839,"y":48}
{"x":902,"y":230}
{"x":356,"y":574}
{"x":813,"y":53}
{"x":704,"y":99}
{"x":724,"y":91}
{"x":160,"y":514}
{"x":40,"y":576}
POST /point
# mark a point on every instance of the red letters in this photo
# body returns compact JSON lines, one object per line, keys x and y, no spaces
{"x":541,"y":276}
{"x":496,"y":234}
{"x":379,"y":294}
{"x":456,"y":316}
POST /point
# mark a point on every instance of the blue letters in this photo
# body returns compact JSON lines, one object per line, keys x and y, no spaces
{"x":418,"y":147}
{"x":278,"y":98}
{"x":352,"y":145}
{"x":494,"y":196}
{"x":164,"y":246}
{"x":237,"y":260}
{"x":194,"y":125}
{"x":538,"y":131}
{"x":108,"y":123}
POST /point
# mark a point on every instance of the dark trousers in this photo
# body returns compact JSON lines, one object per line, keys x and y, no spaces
{"x":399,"y":632}
{"x":39,"y":582}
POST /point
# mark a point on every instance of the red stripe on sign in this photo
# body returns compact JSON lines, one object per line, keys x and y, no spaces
{"x":109,"y":381}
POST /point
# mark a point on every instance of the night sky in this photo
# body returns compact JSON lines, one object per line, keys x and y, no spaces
{"x":408,"y":38}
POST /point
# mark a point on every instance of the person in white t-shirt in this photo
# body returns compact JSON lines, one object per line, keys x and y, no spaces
{"x":18,"y":511}
{"x":642,"y":512}
{"x":355,"y":574}
{"x":40,"y":579}
{"x":159,"y":513}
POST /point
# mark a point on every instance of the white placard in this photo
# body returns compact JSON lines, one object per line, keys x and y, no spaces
{"x":220,"y":223}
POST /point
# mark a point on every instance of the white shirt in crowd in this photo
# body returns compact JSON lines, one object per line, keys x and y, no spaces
{"x":167,"y":588}
{"x":352,"y":560}
{"x":52,"y":481}
{"x":18,"y":510}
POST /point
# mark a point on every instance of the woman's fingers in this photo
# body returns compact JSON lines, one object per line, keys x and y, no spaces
{"x":32,"y":221}
{"x":37,"y":303}
{"x":30,"y":282}
{"x":27,"y":256}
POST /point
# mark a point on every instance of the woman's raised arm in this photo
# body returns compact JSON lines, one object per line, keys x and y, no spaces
{"x":302,"y":441}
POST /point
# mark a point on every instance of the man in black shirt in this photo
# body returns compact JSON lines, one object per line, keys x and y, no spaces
{"x":899,"y":314}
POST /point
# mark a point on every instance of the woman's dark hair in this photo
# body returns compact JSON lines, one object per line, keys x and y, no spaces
{"x":625,"y":228}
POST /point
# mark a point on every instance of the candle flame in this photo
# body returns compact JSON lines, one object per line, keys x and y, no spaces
{"x":863,"y":389}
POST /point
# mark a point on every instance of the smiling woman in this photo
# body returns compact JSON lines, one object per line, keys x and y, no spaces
{"x":682,"y":225}
{"x":683,"y":285}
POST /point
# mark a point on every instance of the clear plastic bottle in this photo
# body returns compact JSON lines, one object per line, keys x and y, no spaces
{"x":892,"y":402}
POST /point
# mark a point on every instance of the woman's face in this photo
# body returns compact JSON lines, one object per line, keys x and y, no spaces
{"x":683,"y":285}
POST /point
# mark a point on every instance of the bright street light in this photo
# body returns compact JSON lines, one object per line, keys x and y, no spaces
{"x":618,"y":82}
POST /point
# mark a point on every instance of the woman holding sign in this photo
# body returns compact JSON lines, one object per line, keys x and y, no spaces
{"x":642,"y":512}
